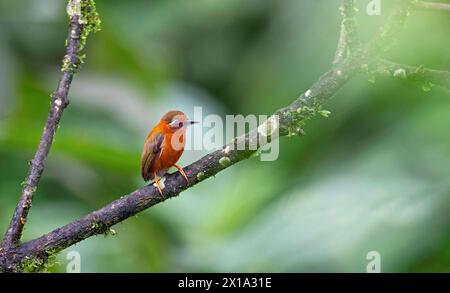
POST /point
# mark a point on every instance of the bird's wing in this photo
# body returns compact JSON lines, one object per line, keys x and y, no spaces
{"x":152,"y":150}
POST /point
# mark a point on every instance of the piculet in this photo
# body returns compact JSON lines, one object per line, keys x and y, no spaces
{"x":164,"y":146}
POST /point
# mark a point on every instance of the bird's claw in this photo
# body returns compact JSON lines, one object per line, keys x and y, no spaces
{"x":182,"y":173}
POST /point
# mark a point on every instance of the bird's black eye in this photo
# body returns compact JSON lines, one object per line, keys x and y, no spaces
{"x":180,"y":124}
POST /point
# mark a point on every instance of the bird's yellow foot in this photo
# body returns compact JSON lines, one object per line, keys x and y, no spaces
{"x":158,"y":184}
{"x":182,"y":172}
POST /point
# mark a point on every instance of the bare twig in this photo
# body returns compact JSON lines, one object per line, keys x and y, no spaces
{"x":433,"y":5}
{"x":414,"y":73}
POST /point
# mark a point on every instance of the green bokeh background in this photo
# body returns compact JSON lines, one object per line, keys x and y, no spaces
{"x":374,"y":176}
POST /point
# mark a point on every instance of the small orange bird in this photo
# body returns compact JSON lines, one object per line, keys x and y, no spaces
{"x":163,"y":147}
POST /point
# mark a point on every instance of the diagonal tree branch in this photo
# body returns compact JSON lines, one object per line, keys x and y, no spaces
{"x":291,"y":120}
{"x":82,"y":20}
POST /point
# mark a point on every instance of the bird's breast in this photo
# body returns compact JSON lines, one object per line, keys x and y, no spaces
{"x":172,"y":149}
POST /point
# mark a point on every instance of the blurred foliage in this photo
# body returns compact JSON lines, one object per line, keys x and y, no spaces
{"x":372,"y":176}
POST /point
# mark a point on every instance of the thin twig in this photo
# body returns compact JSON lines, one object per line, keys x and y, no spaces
{"x":414,"y":73}
{"x":433,"y":5}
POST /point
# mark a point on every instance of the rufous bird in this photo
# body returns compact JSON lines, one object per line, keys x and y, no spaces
{"x":163,"y":147}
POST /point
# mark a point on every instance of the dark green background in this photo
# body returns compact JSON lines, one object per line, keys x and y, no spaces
{"x":372,"y":176}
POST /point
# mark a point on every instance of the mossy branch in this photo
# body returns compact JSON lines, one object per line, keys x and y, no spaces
{"x":348,"y":45}
{"x":291,"y":121}
{"x":83,"y":19}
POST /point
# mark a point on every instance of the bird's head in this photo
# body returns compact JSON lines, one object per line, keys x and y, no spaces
{"x":176,"y":120}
